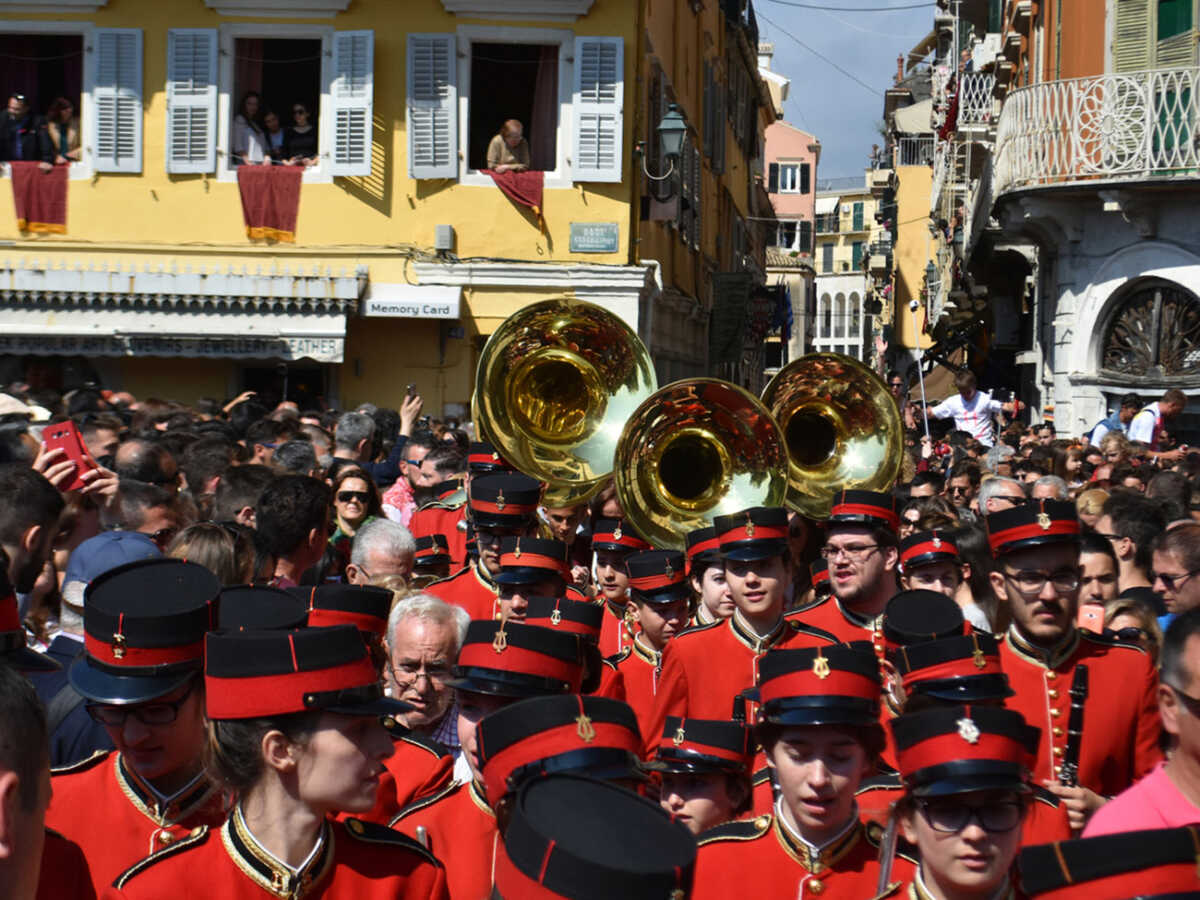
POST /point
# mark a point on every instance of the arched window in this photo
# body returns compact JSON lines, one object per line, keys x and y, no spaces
{"x":855,"y":329}
{"x":839,"y":316}
{"x":1154,"y":332}
{"x":826,"y":316}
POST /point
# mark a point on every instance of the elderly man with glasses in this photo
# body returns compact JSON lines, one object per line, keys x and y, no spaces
{"x":1093,"y":698}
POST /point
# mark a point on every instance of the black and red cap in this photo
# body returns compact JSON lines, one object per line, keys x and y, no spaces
{"x":571,"y":733}
{"x":869,"y":508}
{"x":658,"y":576}
{"x":144,"y":625}
{"x":483,"y":458}
{"x":925,"y":548}
{"x":564,"y":614}
{"x":364,"y":606}
{"x":561,"y":842}
{"x":525,"y":560}
{"x":912,"y":617}
{"x":704,"y":745}
{"x":703,"y":547}
{"x":959,"y":749}
{"x":13,"y":649}
{"x":617,"y":536}
{"x":444,"y":489}
{"x":1033,"y":524}
{"x":258,"y":607}
{"x":961,"y":669}
{"x":257,"y":674}
{"x":756,"y":533}
{"x":834,"y":685}
{"x":818,"y":572}
{"x":511,"y":659}
{"x":432,"y":550}
{"x":1158,"y":863}
{"x":504,"y":501}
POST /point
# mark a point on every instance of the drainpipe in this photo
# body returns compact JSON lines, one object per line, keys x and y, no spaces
{"x":647,"y":332}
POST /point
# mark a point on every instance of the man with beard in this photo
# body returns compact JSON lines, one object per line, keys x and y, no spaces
{"x":28,"y":522}
{"x":1054,"y":667}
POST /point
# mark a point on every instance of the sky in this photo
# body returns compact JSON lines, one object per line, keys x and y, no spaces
{"x":839,"y":111}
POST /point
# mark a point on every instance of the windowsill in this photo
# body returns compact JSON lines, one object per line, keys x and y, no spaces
{"x":480,"y":178}
{"x":318,"y":174}
{"x":80,"y":171}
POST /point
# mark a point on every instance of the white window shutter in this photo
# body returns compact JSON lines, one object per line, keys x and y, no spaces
{"x":432,"y":123}
{"x":191,"y":100}
{"x":116,"y":130}
{"x":599,"y":108}
{"x":352,"y":99}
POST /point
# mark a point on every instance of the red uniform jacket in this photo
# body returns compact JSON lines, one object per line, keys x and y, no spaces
{"x":640,"y":667}
{"x":759,"y":857}
{"x":357,"y":861}
{"x":461,"y":830}
{"x":612,"y":682}
{"x":472,"y":588}
{"x":443,"y":519}
{"x":1120,"y":716}
{"x":847,"y":626}
{"x":704,"y":668}
{"x":418,"y":767}
{"x":614,"y":636}
{"x":65,"y":874}
{"x":116,"y":820}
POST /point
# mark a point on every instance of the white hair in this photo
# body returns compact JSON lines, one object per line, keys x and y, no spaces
{"x":1061,"y":490}
{"x":431,"y":609}
{"x":382,"y":536}
{"x":991,"y":488}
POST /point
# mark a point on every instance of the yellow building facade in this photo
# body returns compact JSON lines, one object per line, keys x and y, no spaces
{"x":406,"y":254}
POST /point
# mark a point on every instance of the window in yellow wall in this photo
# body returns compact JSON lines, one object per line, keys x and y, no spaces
{"x":286,"y":75}
{"x":514,"y":81}
{"x":47,"y":70}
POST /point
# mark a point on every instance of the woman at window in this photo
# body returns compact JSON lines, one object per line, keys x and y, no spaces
{"x":249,"y":146}
{"x":300,"y":140}
{"x":508,"y":150}
{"x":63,"y":130}
{"x":274,"y":135}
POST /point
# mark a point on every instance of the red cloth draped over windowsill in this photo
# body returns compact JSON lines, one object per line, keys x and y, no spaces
{"x":270,"y":201}
{"x":40,"y":197}
{"x":523,"y":188}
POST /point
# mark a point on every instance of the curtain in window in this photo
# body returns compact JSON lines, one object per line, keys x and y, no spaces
{"x":247,"y":68}
{"x":543,"y":125}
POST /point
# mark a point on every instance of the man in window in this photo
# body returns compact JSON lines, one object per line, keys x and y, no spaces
{"x":508,"y":150}
{"x":22,"y":134}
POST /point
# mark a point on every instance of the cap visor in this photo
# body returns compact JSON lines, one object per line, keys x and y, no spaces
{"x":24,"y":659}
{"x":124,"y":690}
{"x":523,"y":575}
{"x":969,"y":688}
{"x":478,"y":682}
{"x":965,"y":784}
{"x":756,"y":550}
{"x":710,"y":766}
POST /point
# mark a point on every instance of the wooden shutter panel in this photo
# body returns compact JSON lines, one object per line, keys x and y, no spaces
{"x":352,"y":97}
{"x":1133,"y":49}
{"x":805,"y":178}
{"x":191,"y":100}
{"x":718,"y":155}
{"x":773,"y":178}
{"x":697,"y":203}
{"x":806,"y":234}
{"x":598,"y":102}
{"x":116,"y":130}
{"x":432,"y":106}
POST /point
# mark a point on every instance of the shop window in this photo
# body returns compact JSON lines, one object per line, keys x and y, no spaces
{"x":514,"y":81}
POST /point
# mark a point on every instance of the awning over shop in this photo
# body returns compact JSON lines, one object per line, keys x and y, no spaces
{"x":826,"y":205}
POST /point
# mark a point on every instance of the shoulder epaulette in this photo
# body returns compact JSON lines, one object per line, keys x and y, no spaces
{"x":195,"y":839}
{"x":905,"y":850}
{"x":889,"y":891}
{"x":378,"y":834}
{"x":618,"y":658}
{"x":436,"y":748}
{"x":82,"y":765}
{"x":1108,"y":639}
{"x":885,"y":781}
{"x":762,"y":776}
{"x":449,"y":577}
{"x":1045,"y":795}
{"x":454,"y":501}
{"x":797,"y":626}
{"x":738,"y":830}
{"x":424,"y":802}
{"x":696,"y":629}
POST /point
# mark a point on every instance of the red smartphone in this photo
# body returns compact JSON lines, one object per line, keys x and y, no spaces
{"x":1091,"y":617}
{"x":65,"y":436}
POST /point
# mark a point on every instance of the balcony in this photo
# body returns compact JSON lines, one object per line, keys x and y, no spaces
{"x":914,"y":151}
{"x":976,"y":104}
{"x":1112,"y":128}
{"x":828,"y":223}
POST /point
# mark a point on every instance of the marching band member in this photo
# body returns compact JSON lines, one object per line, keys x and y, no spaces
{"x":612,"y":541}
{"x":704,"y":771}
{"x":706,"y":575}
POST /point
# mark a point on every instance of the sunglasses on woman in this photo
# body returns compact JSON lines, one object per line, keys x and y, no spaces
{"x":347,"y":496}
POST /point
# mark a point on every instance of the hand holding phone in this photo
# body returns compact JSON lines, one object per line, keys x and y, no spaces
{"x":65,"y":436}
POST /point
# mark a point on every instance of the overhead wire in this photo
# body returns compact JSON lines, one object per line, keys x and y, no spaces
{"x":875,"y":92}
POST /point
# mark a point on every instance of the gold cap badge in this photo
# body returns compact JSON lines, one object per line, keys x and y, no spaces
{"x":500,"y":500}
{"x":968,"y":730}
{"x":821,"y":666}
{"x":584,"y":728}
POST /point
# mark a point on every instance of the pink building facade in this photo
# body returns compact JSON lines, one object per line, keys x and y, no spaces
{"x":791,"y":159}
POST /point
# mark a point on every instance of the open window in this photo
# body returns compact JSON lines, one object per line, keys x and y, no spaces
{"x":514,"y":81}
{"x":45,"y":69}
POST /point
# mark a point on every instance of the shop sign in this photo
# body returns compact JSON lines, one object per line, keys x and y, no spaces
{"x":319,"y":348}
{"x":595,"y":237}
{"x":411,"y":301}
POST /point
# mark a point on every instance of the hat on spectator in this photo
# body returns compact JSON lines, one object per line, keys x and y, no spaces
{"x":818,"y":571}
{"x":364,"y":606}
{"x":144,"y":625}
{"x":483,"y":458}
{"x":255,"y":674}
{"x":616,"y":535}
{"x":963,"y":669}
{"x":703,"y":745}
{"x":565,"y":614}
{"x":525,"y":560}
{"x":1032,"y":525}
{"x":551,"y":848}
{"x":834,"y":685}
{"x":869,"y":508}
{"x":107,"y":550}
{"x":1143,"y":864}
{"x":658,"y":576}
{"x":257,"y":607}
{"x":925,"y":548}
{"x":594,"y":736}
{"x":504,"y":501}
{"x":756,"y":533}
{"x":703,"y":547}
{"x":511,"y":659}
{"x":915,"y":616}
{"x":13,"y":649}
{"x":11,"y":406}
{"x":432,"y":550}
{"x":958,"y":749}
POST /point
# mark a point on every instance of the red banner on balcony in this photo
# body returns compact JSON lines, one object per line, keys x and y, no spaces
{"x":270,"y":201}
{"x":523,"y":188}
{"x":40,"y":197}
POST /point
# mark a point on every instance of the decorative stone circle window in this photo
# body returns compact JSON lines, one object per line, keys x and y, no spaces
{"x":1154,"y":332}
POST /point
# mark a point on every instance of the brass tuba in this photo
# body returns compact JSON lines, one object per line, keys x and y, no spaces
{"x":842,"y":428}
{"x":554,"y":386}
{"x":695,"y":450}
